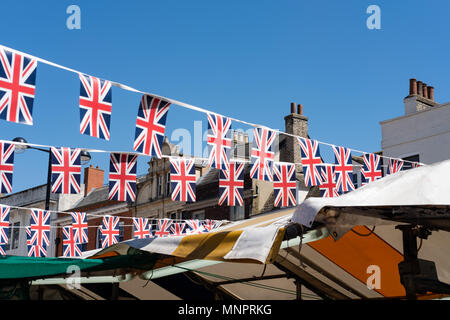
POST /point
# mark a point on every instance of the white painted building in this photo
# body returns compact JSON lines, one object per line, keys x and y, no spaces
{"x":423,"y":132}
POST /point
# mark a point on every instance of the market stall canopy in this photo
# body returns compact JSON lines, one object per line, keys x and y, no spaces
{"x":420,"y":195}
{"x":256,"y":240}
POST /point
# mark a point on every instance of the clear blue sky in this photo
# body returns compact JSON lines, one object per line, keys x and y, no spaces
{"x":244,"y":59}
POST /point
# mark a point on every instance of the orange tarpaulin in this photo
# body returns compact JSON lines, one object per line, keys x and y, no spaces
{"x":355,"y":254}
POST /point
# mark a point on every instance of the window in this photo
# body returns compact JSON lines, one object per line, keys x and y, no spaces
{"x":200,"y":215}
{"x":160,"y":186}
{"x":167,"y":184}
{"x":99,"y":237}
{"x":14,"y":232}
{"x":121,"y":231}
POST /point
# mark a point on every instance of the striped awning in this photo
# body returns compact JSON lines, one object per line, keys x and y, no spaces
{"x":255,"y":240}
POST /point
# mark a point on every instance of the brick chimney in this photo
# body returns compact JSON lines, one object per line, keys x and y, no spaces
{"x":421,"y":97}
{"x":93,"y":178}
{"x":297,"y":124}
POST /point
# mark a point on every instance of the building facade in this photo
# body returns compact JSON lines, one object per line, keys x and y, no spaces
{"x":423,"y":130}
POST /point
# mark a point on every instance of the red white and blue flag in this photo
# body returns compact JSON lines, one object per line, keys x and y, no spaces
{"x":394,"y":166}
{"x":70,"y":247}
{"x":40,"y":227}
{"x":195,"y":226}
{"x":284,"y":184}
{"x":66,"y":170}
{"x":110,"y":231}
{"x":2,"y":249}
{"x":122,"y":177}
{"x":177,"y":229}
{"x":17,"y":87}
{"x":219,"y":141}
{"x":262,"y":154}
{"x":311,"y":161}
{"x":4,"y":224}
{"x":95,"y":106}
{"x":163,"y":229}
{"x":80,"y":227}
{"x":6,"y":166}
{"x":142,"y":228}
{"x":210,"y":224}
{"x":182,"y":179}
{"x":34,"y":250}
{"x":151,"y":125}
{"x":231,"y":185}
{"x":343,"y":169}
{"x":371,"y":169}
{"x":328,"y":186}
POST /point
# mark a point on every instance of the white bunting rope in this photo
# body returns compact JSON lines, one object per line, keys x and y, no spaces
{"x":187,"y":106}
{"x":107,"y":215}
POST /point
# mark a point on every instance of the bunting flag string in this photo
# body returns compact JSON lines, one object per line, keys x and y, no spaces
{"x":35,"y":59}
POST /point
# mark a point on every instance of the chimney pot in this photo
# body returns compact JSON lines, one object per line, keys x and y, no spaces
{"x":425,"y":90}
{"x":431,"y":93}
{"x":412,"y":86}
{"x":420,"y":88}
{"x":300,"y":109}
{"x":292,"y":107}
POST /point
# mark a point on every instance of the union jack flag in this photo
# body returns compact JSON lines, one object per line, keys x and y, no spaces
{"x":177,"y":229}
{"x":6,"y":166}
{"x":95,"y":106}
{"x":70,"y":247}
{"x":284,"y":184}
{"x":4,"y":224}
{"x":311,"y":160}
{"x":394,"y":166}
{"x":415,"y":165}
{"x":210,"y":224}
{"x":2,"y":249}
{"x":34,"y":250}
{"x":163,"y":228}
{"x":371,"y":169}
{"x":122,"y":177}
{"x":17,"y":86}
{"x":110,"y":231}
{"x":80,"y":227}
{"x":40,"y":227}
{"x":231,"y":185}
{"x":219,"y":141}
{"x":142,"y":228}
{"x":262,"y":154}
{"x":328,"y":186}
{"x":66,"y":170}
{"x":151,"y":125}
{"x":343,"y":169}
{"x":195,"y":226}
{"x":182,"y":179}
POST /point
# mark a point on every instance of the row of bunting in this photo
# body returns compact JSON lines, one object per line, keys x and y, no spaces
{"x":332,"y":179}
{"x":76,"y":234}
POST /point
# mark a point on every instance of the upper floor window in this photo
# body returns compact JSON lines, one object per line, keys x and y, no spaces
{"x":167,"y":184}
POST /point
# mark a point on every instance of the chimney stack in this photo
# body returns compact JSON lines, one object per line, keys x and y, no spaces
{"x":421,"y":97}
{"x":93,"y":178}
